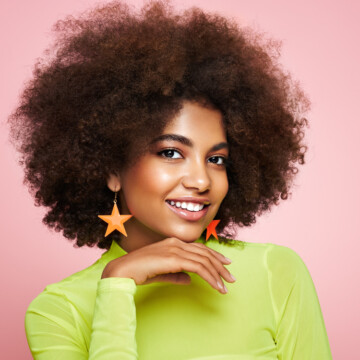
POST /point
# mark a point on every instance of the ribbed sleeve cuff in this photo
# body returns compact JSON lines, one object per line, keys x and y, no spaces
{"x":116,"y":283}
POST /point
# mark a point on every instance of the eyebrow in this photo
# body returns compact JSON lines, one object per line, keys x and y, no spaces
{"x":186,"y":141}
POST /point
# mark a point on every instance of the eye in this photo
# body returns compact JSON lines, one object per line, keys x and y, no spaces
{"x":168,"y":153}
{"x":223,"y":161}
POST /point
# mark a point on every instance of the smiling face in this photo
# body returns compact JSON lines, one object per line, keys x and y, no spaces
{"x":186,"y":164}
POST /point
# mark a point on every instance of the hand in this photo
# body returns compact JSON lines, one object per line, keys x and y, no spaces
{"x":166,"y":260}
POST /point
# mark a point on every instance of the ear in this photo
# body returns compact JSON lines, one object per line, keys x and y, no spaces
{"x":113,"y":182}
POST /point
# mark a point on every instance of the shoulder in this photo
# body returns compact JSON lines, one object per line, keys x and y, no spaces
{"x":61,"y":295}
{"x":287,"y":272}
{"x":284,"y":261}
{"x":62,"y":310}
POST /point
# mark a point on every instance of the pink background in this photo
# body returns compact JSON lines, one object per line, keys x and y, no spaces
{"x":320,"y":221}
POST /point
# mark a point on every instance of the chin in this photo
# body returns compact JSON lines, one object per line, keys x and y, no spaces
{"x":186,"y":236}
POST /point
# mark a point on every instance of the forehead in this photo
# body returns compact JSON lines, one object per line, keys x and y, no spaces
{"x":197,"y":122}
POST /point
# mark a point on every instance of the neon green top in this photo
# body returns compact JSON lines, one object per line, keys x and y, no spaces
{"x":270,"y":312}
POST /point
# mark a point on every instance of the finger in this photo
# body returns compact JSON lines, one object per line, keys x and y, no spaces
{"x":207,"y":264}
{"x":220,"y":256}
{"x":179,"y":243}
{"x":203,"y":271}
{"x":205,"y":251}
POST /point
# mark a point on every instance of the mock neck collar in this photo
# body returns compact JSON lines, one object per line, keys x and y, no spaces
{"x":114,"y":252}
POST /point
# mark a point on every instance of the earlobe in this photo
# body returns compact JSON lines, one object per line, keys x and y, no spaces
{"x":113,"y":182}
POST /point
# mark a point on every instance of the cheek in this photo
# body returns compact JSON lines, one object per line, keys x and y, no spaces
{"x":157,"y":180}
{"x":149,"y":183}
{"x":223,"y":186}
{"x":227,"y":185}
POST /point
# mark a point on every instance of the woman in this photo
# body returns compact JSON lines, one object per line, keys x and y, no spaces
{"x":148,"y":135}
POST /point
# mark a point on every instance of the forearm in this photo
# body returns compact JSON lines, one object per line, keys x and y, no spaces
{"x":114,"y":320}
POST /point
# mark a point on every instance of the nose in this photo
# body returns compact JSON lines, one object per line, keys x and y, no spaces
{"x":197,"y":177}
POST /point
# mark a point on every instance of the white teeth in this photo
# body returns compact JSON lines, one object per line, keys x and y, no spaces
{"x":188,"y":206}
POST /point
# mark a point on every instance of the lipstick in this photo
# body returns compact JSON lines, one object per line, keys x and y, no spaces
{"x":186,"y":214}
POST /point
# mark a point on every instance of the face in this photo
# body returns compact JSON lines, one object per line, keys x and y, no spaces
{"x":185,"y":166}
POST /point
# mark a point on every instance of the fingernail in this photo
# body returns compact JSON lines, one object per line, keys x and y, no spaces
{"x":227,"y":259}
{"x":232,"y":277}
{"x":226,"y":290}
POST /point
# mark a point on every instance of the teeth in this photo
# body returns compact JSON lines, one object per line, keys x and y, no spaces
{"x":188,"y":206}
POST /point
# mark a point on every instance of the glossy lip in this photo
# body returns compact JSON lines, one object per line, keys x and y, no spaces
{"x":205,"y":201}
{"x":188,"y":215}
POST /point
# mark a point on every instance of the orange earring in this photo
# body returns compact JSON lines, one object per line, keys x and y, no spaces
{"x":210,"y":230}
{"x":115,"y":220}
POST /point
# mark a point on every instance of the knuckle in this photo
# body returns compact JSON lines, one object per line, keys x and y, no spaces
{"x":223,"y":272}
{"x":200,"y":267}
{"x":208,"y":261}
{"x":172,"y":241}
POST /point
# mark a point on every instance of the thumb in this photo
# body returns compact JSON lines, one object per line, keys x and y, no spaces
{"x":180,"y":278}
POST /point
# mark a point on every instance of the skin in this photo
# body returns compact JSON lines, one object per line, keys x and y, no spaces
{"x":155,"y":232}
{"x":191,"y":171}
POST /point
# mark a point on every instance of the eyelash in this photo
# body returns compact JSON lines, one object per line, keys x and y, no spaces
{"x":225,"y":160}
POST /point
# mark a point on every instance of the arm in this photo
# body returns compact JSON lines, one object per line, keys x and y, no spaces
{"x":301,"y":332}
{"x":114,"y":321}
{"x":52,"y":331}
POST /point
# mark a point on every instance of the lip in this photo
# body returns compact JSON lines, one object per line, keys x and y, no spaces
{"x":188,"y":215}
{"x":205,"y":201}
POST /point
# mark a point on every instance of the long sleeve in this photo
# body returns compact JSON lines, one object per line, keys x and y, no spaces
{"x":114,"y":321}
{"x":301,"y":332}
{"x":53,"y":331}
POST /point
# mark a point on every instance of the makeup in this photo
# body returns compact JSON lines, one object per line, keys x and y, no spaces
{"x":188,"y":215}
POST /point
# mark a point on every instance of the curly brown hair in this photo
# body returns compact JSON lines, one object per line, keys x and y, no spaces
{"x":113,"y":79}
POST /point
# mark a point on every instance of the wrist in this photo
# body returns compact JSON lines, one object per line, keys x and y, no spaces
{"x":109,"y":271}
{"x":117,"y":274}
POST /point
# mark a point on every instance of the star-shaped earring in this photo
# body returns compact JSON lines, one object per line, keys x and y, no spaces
{"x":210,"y":230}
{"x":115,"y":220}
